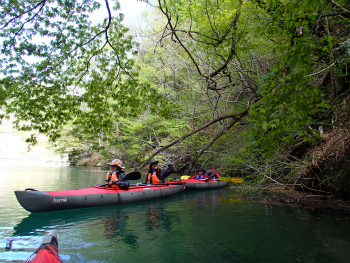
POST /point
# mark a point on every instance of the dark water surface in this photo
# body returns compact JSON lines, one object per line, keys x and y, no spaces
{"x":193,"y":226}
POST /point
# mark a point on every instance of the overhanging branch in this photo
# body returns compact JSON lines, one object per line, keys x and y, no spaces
{"x":235,"y":117}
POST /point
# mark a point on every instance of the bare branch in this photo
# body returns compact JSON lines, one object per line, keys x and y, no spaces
{"x":223,"y":87}
{"x":151,"y":144}
{"x":213,"y":140}
{"x":316,"y":73}
{"x":30,"y":19}
{"x":210,"y":23}
{"x":337,"y":4}
{"x":190,"y":32}
{"x":14,"y":18}
{"x":347,"y":13}
{"x":177,"y":38}
{"x":233,"y":46}
{"x":236,"y":117}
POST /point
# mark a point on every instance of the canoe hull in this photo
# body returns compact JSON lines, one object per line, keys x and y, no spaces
{"x":43,"y":201}
{"x":198,"y":184}
{"x":47,"y":252}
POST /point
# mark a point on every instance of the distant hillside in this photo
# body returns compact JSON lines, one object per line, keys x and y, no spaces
{"x":13,"y":147}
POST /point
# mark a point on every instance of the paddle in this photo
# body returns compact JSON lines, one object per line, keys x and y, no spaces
{"x":169,"y":183}
{"x":133,"y":176}
{"x":130,"y":176}
{"x":173,"y":179}
{"x":225,"y":179}
{"x":236,"y":180}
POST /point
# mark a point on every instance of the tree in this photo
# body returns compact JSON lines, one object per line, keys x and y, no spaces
{"x":293,"y":46}
{"x":200,"y":50}
{"x":58,"y":67}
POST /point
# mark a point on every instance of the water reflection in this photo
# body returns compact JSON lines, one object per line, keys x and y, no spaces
{"x":152,"y":218}
{"x":37,"y":222}
{"x":115,"y":227}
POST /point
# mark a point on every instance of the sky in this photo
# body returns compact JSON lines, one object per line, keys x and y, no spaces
{"x":132,"y":10}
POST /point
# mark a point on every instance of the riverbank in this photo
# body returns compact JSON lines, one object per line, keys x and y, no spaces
{"x":278,"y":195}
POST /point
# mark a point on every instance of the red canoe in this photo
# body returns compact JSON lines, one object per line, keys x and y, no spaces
{"x":203,"y":184}
{"x":47,"y":252}
{"x":42,"y":201}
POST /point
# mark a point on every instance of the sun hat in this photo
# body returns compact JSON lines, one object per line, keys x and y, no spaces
{"x":117,"y":162}
{"x":153,"y":161}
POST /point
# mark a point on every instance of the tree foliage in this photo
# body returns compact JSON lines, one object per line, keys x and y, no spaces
{"x":59,"y":67}
{"x":306,"y":34}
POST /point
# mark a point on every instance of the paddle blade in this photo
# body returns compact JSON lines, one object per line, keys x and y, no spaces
{"x":133,"y":176}
{"x":173,"y":180}
{"x":225,"y":179}
{"x":236,"y":180}
{"x":185,"y":177}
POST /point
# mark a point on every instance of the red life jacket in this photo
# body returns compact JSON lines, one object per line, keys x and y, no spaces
{"x":216,"y":173}
{"x":152,"y":178}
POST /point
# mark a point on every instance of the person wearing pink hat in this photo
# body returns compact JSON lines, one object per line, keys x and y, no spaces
{"x":116,"y":178}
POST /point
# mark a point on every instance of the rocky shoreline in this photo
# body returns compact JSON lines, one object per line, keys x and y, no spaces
{"x":280,"y":196}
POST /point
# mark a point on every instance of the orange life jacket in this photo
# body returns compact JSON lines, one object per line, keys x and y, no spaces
{"x":152,"y":178}
{"x":111,"y":176}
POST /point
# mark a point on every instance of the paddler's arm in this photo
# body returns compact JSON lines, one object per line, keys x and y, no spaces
{"x":165,"y":173}
{"x":121,"y":176}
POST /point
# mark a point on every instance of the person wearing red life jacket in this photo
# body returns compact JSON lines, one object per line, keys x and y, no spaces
{"x":213,"y":174}
{"x":116,"y":178}
{"x":199,"y":175}
{"x":156,"y":175}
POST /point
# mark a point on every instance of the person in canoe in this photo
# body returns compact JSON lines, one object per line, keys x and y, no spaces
{"x":116,"y":178}
{"x":156,"y":175}
{"x":199,"y":175}
{"x":213,"y":174}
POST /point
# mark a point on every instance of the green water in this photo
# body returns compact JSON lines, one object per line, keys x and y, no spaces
{"x":193,"y":226}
